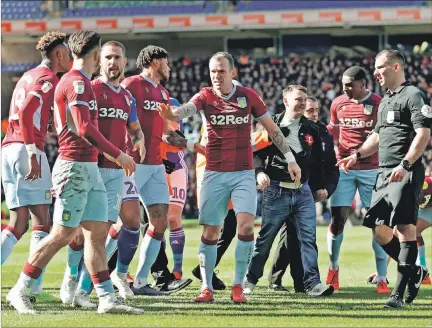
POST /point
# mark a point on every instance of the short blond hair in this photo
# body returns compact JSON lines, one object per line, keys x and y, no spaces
{"x":293,"y":87}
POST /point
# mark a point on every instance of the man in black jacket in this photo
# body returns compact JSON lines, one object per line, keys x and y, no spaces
{"x":288,"y":250}
{"x":282,"y":197}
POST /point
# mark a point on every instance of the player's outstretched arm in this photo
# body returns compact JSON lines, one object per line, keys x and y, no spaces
{"x":369,"y":147}
{"x":86,"y":130}
{"x":280,"y":142}
{"x":179,"y":113}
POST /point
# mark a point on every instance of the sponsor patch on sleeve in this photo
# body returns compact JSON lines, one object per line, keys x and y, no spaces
{"x":79,"y":87}
{"x":47,"y":86}
{"x":426,"y":111}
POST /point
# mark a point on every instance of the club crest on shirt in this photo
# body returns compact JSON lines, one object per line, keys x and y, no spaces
{"x":164,"y":95}
{"x":66,"y":216}
{"x":426,"y":111}
{"x":47,"y":86}
{"x":105,"y":96}
{"x":368,"y":109}
{"x":127,"y":100}
{"x":241,"y":101}
{"x":79,"y":87}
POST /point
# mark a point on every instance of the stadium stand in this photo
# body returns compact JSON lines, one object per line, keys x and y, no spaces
{"x":21,"y":9}
{"x":130,"y":8}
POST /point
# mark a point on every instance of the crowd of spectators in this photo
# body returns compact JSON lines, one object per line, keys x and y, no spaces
{"x":321,"y":74}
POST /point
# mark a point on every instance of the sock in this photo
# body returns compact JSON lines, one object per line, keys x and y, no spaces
{"x":102,"y":283}
{"x":75,"y":253}
{"x":177,"y":241}
{"x":392,"y":248}
{"x":334,"y":244}
{"x":207,"y":260}
{"x":29,"y":275}
{"x":39,"y":232}
{"x":127,"y":245}
{"x":111,"y":242}
{"x":243,"y":254}
{"x":406,"y":265}
{"x":380,"y":261}
{"x":421,"y":258}
{"x":9,"y":238}
{"x":149,"y":250}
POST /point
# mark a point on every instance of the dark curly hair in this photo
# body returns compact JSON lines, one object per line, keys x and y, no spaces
{"x":149,"y":53}
{"x":49,"y":41}
{"x":83,"y":42}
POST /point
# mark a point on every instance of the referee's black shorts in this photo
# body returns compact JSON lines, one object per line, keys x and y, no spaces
{"x":395,"y":203}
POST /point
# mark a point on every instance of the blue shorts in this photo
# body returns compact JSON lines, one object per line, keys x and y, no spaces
{"x":113,"y":181}
{"x":219,"y":187}
{"x":425,"y":214}
{"x":80,"y":193}
{"x":363,"y":180}
{"x":15,"y":166}
{"x":149,"y":184}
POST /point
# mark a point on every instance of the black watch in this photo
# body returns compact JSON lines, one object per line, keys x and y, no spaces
{"x":406,"y":165}
{"x":358,"y":154}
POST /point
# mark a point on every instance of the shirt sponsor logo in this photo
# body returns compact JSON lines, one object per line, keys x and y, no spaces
{"x":426,"y":111}
{"x":47,"y":86}
{"x":228,"y":119}
{"x":241,"y":101}
{"x":79,"y":87}
{"x":368,"y":109}
{"x":355,"y":122}
{"x":113,"y":113}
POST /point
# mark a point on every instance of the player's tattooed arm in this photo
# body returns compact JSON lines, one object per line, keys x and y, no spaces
{"x":137,"y":138}
{"x":186,"y":110}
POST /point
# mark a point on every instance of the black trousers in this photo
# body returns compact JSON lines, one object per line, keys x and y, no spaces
{"x":288,"y":252}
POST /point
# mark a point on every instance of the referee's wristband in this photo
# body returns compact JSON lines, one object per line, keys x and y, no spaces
{"x":31,"y":149}
{"x":190,"y":144}
{"x":289,"y":157}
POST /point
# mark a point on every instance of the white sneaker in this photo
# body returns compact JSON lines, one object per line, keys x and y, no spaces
{"x":248,"y":287}
{"x":67,"y":290}
{"x":122,"y":284}
{"x":82,"y":299}
{"x":109,"y":304}
{"x":20,"y":300}
{"x":321,"y":290}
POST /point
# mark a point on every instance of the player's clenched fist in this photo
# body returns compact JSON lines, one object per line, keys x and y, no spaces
{"x":295,"y":172}
{"x":263,"y":181}
{"x":127,"y":163}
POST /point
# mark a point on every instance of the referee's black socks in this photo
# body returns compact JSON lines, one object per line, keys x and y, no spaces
{"x":406,"y":264}
{"x":392,"y":248}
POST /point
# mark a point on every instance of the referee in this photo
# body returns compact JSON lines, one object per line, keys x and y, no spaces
{"x":400,"y":137}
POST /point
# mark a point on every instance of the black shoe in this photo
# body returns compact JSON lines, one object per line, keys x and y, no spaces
{"x":196,"y":272}
{"x":278,"y":288}
{"x":175,"y":285}
{"x":395,"y":302}
{"x":415,"y":283}
{"x":217,"y":283}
